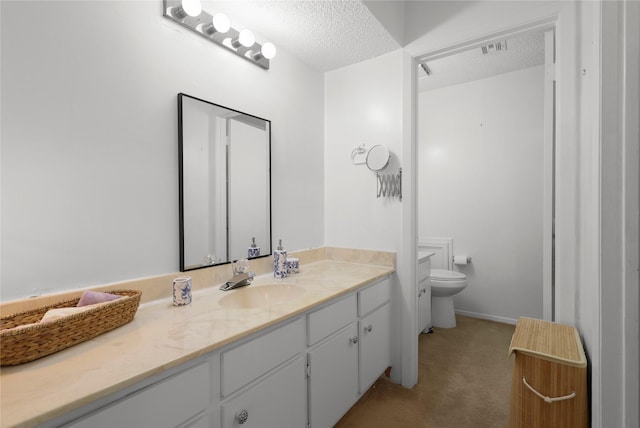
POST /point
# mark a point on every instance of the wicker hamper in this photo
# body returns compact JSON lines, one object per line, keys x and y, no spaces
{"x":549,"y":385}
{"x":23,"y":338}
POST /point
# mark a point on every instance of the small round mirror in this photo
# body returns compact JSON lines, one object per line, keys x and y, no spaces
{"x":378,"y":157}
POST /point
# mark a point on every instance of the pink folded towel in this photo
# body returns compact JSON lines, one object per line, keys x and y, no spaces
{"x":93,"y":297}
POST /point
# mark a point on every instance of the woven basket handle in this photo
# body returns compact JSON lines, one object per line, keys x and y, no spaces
{"x":544,"y":397}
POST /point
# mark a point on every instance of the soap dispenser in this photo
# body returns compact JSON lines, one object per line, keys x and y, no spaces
{"x":254,"y":250}
{"x":280,"y":261}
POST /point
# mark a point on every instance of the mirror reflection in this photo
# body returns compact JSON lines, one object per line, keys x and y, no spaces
{"x":225,"y":184}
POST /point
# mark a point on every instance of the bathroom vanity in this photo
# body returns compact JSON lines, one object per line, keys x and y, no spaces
{"x":304,"y":358}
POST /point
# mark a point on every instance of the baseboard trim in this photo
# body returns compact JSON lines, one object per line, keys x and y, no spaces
{"x":487,"y":317}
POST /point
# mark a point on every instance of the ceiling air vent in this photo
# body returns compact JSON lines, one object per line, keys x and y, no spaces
{"x":494,"y":47}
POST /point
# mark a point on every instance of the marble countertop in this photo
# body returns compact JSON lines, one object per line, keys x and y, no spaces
{"x":161,"y":336}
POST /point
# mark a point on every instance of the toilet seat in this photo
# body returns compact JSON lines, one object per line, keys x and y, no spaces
{"x":447,"y":275}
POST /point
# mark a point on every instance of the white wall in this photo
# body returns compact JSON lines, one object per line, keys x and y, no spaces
{"x":480,"y":182}
{"x":355,"y":114}
{"x":370,"y":103}
{"x":89,"y":140}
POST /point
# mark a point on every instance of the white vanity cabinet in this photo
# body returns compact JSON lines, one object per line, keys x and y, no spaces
{"x":332,"y":361}
{"x":349,"y":348}
{"x":424,"y":294}
{"x":263,"y":380}
{"x":374,"y":326}
{"x":181,"y":400}
{"x":305,"y":371}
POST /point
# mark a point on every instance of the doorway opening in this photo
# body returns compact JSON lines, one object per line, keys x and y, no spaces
{"x":486,"y":165}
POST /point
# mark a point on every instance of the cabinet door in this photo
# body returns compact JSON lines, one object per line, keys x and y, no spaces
{"x":424,"y":305}
{"x":168,"y":403}
{"x":333,"y":379}
{"x":375,"y":346}
{"x":277,"y":401}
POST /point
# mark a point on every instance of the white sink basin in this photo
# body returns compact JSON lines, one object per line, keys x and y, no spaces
{"x":257,"y":296}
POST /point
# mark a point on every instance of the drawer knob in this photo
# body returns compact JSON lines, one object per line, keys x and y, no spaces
{"x":353,"y":339}
{"x":369,"y":328}
{"x":242,"y":416}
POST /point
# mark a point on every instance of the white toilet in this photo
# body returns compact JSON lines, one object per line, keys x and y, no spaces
{"x":444,"y":284}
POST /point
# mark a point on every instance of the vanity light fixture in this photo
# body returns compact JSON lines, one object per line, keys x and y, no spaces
{"x":268,"y":51}
{"x":187,"y":8}
{"x":218,"y":29}
{"x":219,"y":23}
{"x":245,"y":38}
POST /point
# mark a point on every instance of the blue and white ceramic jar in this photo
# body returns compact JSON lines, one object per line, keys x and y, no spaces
{"x":293,"y":265}
{"x":182,"y":291}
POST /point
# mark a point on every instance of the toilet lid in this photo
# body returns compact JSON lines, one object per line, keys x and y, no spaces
{"x":447,"y":275}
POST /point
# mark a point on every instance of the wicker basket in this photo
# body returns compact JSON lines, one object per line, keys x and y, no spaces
{"x":549,"y":382}
{"x":37,"y":340}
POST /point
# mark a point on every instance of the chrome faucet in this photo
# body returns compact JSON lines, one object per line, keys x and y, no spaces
{"x":241,"y":276}
{"x":238,"y":280}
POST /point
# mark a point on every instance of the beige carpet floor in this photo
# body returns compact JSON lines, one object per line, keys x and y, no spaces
{"x":464,"y":380}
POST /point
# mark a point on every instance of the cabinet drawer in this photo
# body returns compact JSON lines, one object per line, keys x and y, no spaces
{"x":325,"y":321}
{"x":373,"y":296}
{"x":167,"y":403}
{"x":250,"y":360}
{"x":278,"y":401}
{"x":203,"y":421}
{"x":424,"y":270}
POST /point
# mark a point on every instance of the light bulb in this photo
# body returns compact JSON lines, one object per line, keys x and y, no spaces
{"x":246,"y":38}
{"x":192,"y":7}
{"x":268,"y":50}
{"x":221,"y":23}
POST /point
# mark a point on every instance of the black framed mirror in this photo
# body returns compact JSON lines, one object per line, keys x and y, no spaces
{"x":224,"y":183}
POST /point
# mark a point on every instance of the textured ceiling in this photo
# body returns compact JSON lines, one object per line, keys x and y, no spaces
{"x":330,"y":34}
{"x":325,"y":34}
{"x":522,"y":52}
